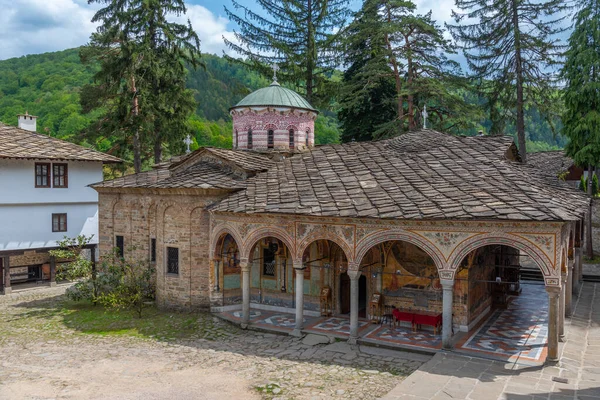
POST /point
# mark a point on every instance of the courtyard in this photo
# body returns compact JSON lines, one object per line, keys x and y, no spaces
{"x":56,"y":349}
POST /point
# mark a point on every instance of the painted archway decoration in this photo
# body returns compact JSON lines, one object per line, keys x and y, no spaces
{"x":220,"y":230}
{"x":551,"y":274}
{"x":325,"y":235}
{"x":398,"y":235}
{"x":258,"y":234}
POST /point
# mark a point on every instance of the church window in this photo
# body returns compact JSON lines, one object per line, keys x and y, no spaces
{"x":120,"y":245}
{"x":307,"y":135}
{"x":172,"y":260}
{"x":270,"y":139}
{"x":153,"y":250}
{"x":291,"y":138}
{"x":249,"y":138}
{"x":269,"y":260}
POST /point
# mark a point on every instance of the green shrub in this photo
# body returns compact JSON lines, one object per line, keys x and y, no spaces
{"x":583,"y":183}
{"x":595,"y":185}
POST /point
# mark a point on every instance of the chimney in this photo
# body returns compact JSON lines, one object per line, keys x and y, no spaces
{"x":27,"y":122}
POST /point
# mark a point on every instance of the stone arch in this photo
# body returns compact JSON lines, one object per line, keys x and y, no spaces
{"x":220,"y":231}
{"x":262,"y":233}
{"x":320,"y":235}
{"x":478,"y":241}
{"x":397,"y":235}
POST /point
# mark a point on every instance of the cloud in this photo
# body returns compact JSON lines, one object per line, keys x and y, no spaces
{"x":210,"y":28}
{"x":39,"y":26}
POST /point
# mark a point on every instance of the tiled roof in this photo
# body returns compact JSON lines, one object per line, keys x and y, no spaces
{"x":20,"y":143}
{"x":206,"y":168}
{"x":275,"y":96}
{"x":552,"y":162}
{"x":420,"y":175}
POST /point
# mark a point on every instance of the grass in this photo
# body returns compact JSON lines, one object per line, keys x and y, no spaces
{"x":594,"y":260}
{"x":64,"y":317}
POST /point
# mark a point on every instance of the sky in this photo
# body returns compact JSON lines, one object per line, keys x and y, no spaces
{"x":39,"y":26}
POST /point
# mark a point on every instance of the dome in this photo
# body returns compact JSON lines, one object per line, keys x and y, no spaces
{"x":275,"y":96}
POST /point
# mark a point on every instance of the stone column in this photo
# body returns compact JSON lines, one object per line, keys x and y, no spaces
{"x":245,"y":267}
{"x":52,"y":271}
{"x":577,"y":270}
{"x":569,"y":289}
{"x":354,"y":276}
{"x":553,"y":311}
{"x":299,"y":268}
{"x":447,"y":310}
{"x":6,"y":280}
{"x":561,"y":307}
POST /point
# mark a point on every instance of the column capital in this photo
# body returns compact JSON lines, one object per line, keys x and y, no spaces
{"x":553,"y":291}
{"x":298,"y":265}
{"x":244,"y":265}
{"x":447,"y":284}
{"x":354,"y":274}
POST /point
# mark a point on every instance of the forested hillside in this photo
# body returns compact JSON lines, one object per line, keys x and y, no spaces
{"x":47,"y":85}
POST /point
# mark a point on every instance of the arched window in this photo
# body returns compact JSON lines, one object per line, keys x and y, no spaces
{"x":249,"y":138}
{"x":307,"y":135}
{"x":270,"y":138}
{"x":291,"y":138}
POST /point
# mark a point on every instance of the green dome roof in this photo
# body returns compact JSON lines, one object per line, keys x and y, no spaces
{"x":275,"y":96}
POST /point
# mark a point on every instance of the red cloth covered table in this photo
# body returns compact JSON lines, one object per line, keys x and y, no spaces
{"x":403,"y":315}
{"x":430,"y":319}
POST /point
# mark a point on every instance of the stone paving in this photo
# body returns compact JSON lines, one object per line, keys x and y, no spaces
{"x":577,"y":376}
{"x":42,"y":359}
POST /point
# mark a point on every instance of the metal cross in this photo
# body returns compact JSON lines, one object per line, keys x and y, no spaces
{"x":275,"y":68}
{"x":425,"y":115}
{"x":188,"y":141}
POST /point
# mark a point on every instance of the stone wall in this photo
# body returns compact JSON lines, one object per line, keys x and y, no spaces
{"x":595,"y":226}
{"x":174,"y":220}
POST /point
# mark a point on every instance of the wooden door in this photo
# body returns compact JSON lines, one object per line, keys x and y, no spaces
{"x":344,"y":293}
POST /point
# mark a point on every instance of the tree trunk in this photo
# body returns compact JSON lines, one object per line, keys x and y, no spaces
{"x":137,"y":148}
{"x":157,"y":149}
{"x":589,"y":248}
{"x":310,"y":49}
{"x":520,"y":99}
{"x":397,"y":79}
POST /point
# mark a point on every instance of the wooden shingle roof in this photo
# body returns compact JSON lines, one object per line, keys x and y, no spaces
{"x":552,"y":162}
{"x":420,"y":175}
{"x":16,"y":143}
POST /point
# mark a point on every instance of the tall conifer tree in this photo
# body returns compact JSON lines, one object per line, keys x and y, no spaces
{"x":141,"y":81}
{"x":301,"y":36}
{"x":389,"y":47}
{"x":512,"y":42}
{"x":581,"y":73}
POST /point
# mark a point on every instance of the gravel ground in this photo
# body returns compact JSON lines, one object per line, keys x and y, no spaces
{"x":41,"y":358}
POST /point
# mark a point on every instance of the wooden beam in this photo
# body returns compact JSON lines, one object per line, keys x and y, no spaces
{"x":52,"y":271}
{"x":6,"y":283}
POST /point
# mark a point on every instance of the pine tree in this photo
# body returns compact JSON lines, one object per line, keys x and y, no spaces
{"x":581,"y":73}
{"x":141,"y":81}
{"x":301,"y":36}
{"x":389,"y":44}
{"x":512,"y":42}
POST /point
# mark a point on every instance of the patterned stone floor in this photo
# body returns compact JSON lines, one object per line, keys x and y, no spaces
{"x":406,"y":337}
{"x":519,"y":333}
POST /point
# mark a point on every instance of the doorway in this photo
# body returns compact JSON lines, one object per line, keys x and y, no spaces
{"x":345,"y":294}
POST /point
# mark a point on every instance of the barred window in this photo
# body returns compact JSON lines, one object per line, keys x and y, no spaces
{"x":291,"y":138}
{"x":270,"y":138}
{"x":60,"y":175}
{"x":120,"y":245}
{"x":269,"y":260}
{"x":153,"y":250}
{"x":42,"y":175}
{"x":59,"y":222}
{"x":249,"y":138}
{"x":172,"y":260}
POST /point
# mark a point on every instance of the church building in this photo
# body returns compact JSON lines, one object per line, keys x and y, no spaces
{"x":415,"y":240}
